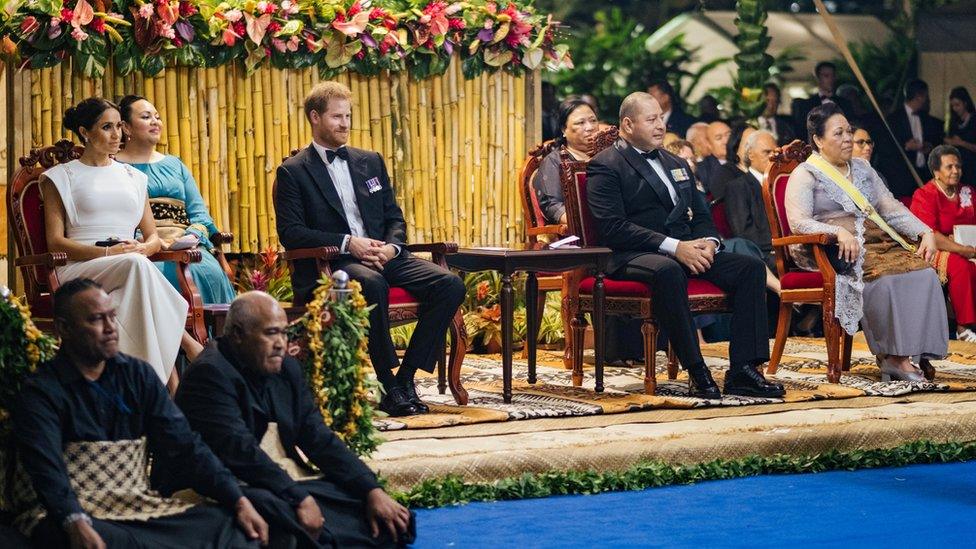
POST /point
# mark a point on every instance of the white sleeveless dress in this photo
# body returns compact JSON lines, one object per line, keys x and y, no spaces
{"x":108,"y":201}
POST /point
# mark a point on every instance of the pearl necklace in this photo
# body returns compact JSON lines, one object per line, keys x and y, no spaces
{"x":946,"y":193}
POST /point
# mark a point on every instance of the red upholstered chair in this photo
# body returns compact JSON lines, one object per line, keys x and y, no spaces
{"x":799,"y":286}
{"x":623,"y":297}
{"x":26,"y":208}
{"x":404,"y":307}
{"x":535,"y":226}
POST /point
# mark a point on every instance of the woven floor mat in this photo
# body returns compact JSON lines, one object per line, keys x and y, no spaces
{"x":802,"y":371}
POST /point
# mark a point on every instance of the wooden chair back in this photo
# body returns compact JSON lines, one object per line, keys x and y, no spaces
{"x":783,"y":162}
{"x":573,"y":179}
{"x":26,"y":209}
{"x":532,"y":216}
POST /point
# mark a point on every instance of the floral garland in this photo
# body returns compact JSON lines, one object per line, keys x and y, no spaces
{"x":22,"y":347}
{"x":336,"y":363}
{"x":364,"y":36}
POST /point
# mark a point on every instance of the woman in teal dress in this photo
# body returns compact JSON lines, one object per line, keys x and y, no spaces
{"x":174,"y":197}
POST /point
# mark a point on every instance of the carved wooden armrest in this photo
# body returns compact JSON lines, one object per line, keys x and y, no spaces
{"x":557,"y":230}
{"x":219,"y":239}
{"x":50,"y":259}
{"x":181,"y":256}
{"x":322,"y":253}
{"x":816,"y":238}
{"x":434,"y":247}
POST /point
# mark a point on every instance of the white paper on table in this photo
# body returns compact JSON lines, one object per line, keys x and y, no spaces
{"x":964,"y":234}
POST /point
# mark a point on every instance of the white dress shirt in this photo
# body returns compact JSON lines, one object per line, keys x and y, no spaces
{"x":342,"y":179}
{"x":915,"y":121}
{"x":670,"y":245}
{"x":756,"y":174}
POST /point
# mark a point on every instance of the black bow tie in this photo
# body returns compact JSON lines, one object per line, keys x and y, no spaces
{"x":652,"y":155}
{"x":341,"y":152}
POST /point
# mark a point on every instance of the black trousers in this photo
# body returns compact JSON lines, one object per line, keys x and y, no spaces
{"x":201,"y":527}
{"x":742,"y":277}
{"x":440,"y":292}
{"x":345,"y":519}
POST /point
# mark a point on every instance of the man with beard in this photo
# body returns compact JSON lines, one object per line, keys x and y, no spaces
{"x":82,"y":428}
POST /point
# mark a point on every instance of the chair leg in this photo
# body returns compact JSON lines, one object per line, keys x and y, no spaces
{"x":578,"y":326}
{"x":834,"y":336}
{"x":568,"y":335}
{"x":672,"y":363}
{"x":848,"y":341}
{"x":459,"y":346}
{"x":442,"y":368}
{"x":650,"y":352}
{"x":782,"y":331}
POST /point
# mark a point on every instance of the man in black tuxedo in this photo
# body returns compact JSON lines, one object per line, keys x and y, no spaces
{"x":744,"y":206}
{"x":675,"y":119}
{"x":779,"y":125}
{"x":717,"y":134}
{"x":826,"y":74}
{"x":333,"y":195}
{"x":646,"y":209}
{"x":916,"y":132}
{"x":244,"y":395}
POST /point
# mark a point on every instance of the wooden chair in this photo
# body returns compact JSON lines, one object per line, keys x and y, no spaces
{"x":404,"y":307}
{"x":800,"y":286}
{"x":623,"y":297}
{"x":535,"y":226}
{"x":26,"y":208}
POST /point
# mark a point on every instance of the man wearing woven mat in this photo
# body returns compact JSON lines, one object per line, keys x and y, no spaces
{"x":648,"y":211}
{"x":251,"y":404}
{"x":83,"y":428}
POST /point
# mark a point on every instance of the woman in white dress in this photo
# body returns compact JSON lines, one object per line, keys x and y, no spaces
{"x":95,"y":199}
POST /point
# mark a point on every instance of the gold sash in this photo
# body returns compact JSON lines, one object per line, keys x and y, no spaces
{"x":858,"y":198}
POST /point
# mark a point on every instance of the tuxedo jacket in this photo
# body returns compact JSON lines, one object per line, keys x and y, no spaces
{"x":632,"y":208}
{"x":900,"y":179}
{"x":309,"y":211}
{"x":745,"y":211}
{"x":707,"y":170}
{"x":230,"y":407}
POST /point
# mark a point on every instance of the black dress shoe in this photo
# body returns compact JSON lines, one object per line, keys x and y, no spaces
{"x":701,"y":384}
{"x":927,"y":369}
{"x":747,"y":381}
{"x":396,"y":403}
{"x":411,"y":390}
{"x":774,"y":383}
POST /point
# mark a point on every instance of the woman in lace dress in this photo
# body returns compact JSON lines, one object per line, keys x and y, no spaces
{"x":892,"y":292}
{"x":94,"y":199}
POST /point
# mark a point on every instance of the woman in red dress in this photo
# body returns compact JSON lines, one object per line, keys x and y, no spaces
{"x":942,"y":204}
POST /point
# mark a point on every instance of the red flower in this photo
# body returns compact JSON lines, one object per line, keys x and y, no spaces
{"x":360,"y":54}
{"x":456,"y":24}
{"x":187,"y":9}
{"x":354,"y":9}
{"x":274,"y":27}
{"x":240,"y":27}
{"x":98,"y":25}
{"x":377,"y":13}
{"x":340,"y":17}
{"x":66,"y":14}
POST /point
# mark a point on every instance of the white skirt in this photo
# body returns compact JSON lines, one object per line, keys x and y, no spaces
{"x":151,"y":313}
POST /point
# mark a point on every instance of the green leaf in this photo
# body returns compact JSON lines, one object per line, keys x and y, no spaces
{"x":92,"y":56}
{"x":495,"y":58}
{"x":340,"y":52}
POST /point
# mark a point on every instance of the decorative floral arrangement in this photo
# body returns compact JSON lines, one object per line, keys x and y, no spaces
{"x":365,"y":36}
{"x":267,"y":274}
{"x":22,"y":348}
{"x":330,"y":341}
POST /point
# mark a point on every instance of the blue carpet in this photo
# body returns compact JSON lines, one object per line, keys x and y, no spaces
{"x":919,"y":505}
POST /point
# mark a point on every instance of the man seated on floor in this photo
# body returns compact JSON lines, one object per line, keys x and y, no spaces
{"x":82,"y":427}
{"x":250,"y":402}
{"x":648,"y":211}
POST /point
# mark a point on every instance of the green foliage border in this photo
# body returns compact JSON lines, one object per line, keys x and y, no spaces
{"x":453,"y":490}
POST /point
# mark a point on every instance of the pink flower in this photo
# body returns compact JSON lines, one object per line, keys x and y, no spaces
{"x":293,"y":43}
{"x":279,"y":44}
{"x":79,"y":35}
{"x":167,"y":31}
{"x":289,"y":8}
{"x":146,"y":11}
{"x":229,"y":37}
{"x":233,"y":15}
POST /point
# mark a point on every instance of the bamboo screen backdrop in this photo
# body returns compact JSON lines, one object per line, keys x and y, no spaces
{"x":452,"y":146}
